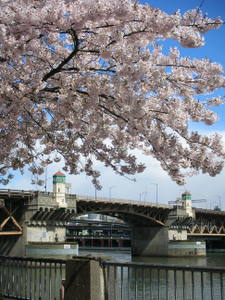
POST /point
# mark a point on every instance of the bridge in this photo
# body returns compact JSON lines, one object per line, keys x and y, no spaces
{"x":27,"y":216}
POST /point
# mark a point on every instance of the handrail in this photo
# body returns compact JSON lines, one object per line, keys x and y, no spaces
{"x":105,"y":199}
{"x":40,"y":278}
{"x":123,"y":264}
{"x":165,"y":267}
{"x":30,"y":278}
{"x":33,"y":259}
{"x":123,"y":201}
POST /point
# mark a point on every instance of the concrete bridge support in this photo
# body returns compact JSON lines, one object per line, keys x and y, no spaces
{"x":156,"y":241}
{"x":15,"y":245}
{"x":150,"y":241}
{"x":12,"y":245}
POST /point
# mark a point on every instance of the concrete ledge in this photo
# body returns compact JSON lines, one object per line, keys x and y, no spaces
{"x":186,"y":248}
{"x":51,"y":249}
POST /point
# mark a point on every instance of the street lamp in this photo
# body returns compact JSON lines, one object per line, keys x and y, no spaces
{"x":216,"y":203}
{"x":110,"y":190}
{"x":156,"y":191}
{"x":144,"y":196}
{"x":95,"y":193}
{"x":46,"y":179}
{"x":219,"y":200}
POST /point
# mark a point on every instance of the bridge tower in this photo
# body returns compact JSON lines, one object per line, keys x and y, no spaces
{"x":187,"y":203}
{"x":59,"y":189}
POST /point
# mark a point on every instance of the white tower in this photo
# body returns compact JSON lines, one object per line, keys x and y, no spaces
{"x":187,"y":203}
{"x":59,"y":189}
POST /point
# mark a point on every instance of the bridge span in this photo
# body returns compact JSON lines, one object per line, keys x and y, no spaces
{"x":27,"y":216}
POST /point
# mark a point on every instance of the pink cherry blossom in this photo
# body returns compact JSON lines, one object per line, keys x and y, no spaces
{"x":86,"y":80}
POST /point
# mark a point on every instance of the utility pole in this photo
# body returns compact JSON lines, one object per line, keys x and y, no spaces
{"x":156,"y":191}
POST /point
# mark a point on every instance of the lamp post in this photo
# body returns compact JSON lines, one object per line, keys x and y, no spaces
{"x":219,"y":200}
{"x":216,"y":203}
{"x":46,"y":179}
{"x":156,"y":191}
{"x":110,"y":191}
{"x":144,"y":194}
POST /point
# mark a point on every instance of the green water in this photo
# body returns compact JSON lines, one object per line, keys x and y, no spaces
{"x":152,"y":284}
{"x":212,"y":259}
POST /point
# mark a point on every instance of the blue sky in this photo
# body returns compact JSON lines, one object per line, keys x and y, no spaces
{"x":201,"y":186}
{"x":214,"y":40}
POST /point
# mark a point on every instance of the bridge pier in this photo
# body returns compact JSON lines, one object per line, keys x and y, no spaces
{"x":157,"y":241}
{"x":150,"y":241}
{"x":12,"y":245}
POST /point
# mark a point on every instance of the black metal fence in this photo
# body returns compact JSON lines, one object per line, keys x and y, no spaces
{"x":31,"y":278}
{"x":41,"y":279}
{"x":140,"y":281}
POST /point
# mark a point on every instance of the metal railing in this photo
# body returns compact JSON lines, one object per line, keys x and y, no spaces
{"x":41,"y":279}
{"x":140,"y":281}
{"x":123,"y":201}
{"x":31,"y":278}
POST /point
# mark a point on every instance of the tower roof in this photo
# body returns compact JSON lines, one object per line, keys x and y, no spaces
{"x":186,"y":193}
{"x":58,"y":173}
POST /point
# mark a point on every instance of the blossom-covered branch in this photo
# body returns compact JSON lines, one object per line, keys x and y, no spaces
{"x":89,"y":80}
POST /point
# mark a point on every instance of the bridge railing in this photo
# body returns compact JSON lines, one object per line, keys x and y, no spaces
{"x":74,"y":197}
{"x":138,"y":281}
{"x":16,"y":192}
{"x":31,"y":278}
{"x":123,"y":201}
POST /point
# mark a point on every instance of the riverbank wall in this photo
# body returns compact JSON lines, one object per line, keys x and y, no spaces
{"x":49,"y":249}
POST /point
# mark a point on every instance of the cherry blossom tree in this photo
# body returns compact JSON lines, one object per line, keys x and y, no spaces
{"x":88,"y":80}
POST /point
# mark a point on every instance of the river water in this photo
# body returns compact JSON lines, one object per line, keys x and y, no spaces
{"x":212,"y":259}
{"x":156,"y":284}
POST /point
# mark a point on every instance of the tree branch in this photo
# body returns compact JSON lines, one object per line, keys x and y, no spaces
{"x":66,"y":60}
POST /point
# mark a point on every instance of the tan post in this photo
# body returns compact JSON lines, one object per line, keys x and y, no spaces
{"x":84,"y":279}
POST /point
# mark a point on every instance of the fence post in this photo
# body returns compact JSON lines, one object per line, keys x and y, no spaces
{"x":84,"y":279}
